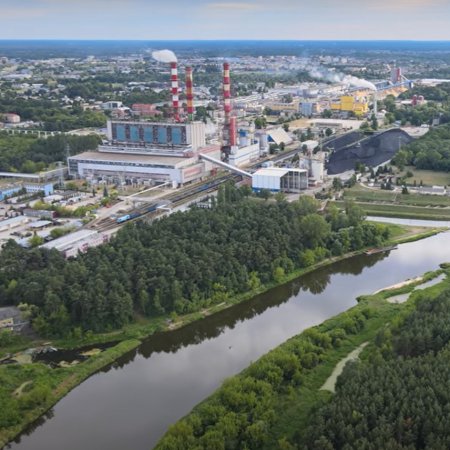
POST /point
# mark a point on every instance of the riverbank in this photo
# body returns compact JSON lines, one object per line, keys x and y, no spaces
{"x":287,"y":380}
{"x":144,"y":327}
{"x":43,"y":386}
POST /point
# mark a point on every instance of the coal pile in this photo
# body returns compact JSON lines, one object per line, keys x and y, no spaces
{"x":371,"y":151}
{"x":345,"y":140}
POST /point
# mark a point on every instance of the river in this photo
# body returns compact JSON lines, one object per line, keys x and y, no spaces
{"x":132,"y":403}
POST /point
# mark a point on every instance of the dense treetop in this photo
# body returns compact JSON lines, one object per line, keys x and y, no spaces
{"x":26,"y":153}
{"x":399,"y":398}
{"x":180,"y":263}
{"x":431,"y":151}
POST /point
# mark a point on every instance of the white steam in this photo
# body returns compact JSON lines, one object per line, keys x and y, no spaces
{"x":337,"y":77}
{"x":165,"y":56}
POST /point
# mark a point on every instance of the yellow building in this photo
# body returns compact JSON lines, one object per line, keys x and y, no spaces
{"x":348,"y":103}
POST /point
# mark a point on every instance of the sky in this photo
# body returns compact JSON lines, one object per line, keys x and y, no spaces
{"x":222,"y":19}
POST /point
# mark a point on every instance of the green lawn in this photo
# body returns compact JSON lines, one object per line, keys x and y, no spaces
{"x":360,"y":193}
{"x":403,"y":211}
{"x":428,"y":177}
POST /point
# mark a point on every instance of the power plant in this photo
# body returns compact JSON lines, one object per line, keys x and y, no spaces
{"x":176,"y":152}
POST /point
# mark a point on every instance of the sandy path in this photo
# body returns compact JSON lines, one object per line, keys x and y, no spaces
{"x":330,"y":384}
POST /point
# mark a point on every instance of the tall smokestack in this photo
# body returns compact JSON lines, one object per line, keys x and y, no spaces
{"x":174,"y":81}
{"x":226,"y":102}
{"x":189,"y":94}
{"x":233,"y":131}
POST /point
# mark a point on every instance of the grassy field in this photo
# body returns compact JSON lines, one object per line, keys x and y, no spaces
{"x":403,"y":211}
{"x":428,"y":177}
{"x":360,"y":193}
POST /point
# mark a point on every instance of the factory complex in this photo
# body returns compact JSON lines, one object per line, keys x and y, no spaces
{"x":175,"y":152}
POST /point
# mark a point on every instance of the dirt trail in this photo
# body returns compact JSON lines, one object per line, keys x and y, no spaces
{"x":330,"y":384}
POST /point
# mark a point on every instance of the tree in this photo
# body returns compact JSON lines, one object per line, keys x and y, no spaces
{"x":260,"y":122}
{"x":337,"y":184}
{"x":374,"y":122}
{"x":35,"y":240}
{"x":328,"y":132}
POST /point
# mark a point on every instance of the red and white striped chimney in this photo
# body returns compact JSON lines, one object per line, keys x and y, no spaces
{"x":174,"y":81}
{"x":189,"y":93}
{"x":226,"y":102}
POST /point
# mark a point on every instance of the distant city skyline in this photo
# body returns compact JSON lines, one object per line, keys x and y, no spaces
{"x":216,"y":19}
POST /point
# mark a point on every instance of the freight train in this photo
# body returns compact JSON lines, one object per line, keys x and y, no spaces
{"x":136,"y":214}
{"x":178,"y":197}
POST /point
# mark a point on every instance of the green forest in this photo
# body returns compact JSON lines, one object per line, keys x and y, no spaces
{"x":26,"y":153}
{"x":179,"y":264}
{"x":399,"y":397}
{"x":431,"y":151}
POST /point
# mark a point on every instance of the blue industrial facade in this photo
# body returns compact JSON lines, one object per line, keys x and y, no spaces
{"x":151,"y":133}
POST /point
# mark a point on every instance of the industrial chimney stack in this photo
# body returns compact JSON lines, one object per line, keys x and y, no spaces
{"x":189,"y":94}
{"x":226,"y":103}
{"x":174,"y":81}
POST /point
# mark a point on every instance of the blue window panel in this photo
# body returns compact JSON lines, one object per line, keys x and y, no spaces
{"x":162,"y":135}
{"x":148,"y":134}
{"x":120,"y":132}
{"x":134,"y":133}
{"x":176,"y":135}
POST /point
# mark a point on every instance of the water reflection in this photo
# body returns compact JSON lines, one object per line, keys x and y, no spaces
{"x":131,"y":403}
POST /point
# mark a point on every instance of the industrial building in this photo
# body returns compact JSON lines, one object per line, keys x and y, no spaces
{"x":77,"y":242}
{"x":280,"y":179}
{"x":145,"y":151}
{"x":350,"y":104}
{"x":29,"y":188}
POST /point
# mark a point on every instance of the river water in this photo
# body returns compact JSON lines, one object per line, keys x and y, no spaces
{"x":132,"y":403}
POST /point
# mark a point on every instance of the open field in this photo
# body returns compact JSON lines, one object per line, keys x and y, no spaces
{"x":428,"y":177}
{"x":360,"y":193}
{"x":403,"y":211}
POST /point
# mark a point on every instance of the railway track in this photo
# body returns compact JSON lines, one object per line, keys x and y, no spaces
{"x":173,"y":199}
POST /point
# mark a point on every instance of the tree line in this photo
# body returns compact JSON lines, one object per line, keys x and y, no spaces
{"x":26,"y":153}
{"x":178,"y":264}
{"x":431,"y":151}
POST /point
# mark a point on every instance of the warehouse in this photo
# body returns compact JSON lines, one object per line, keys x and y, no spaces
{"x":77,"y":242}
{"x":278,"y":179}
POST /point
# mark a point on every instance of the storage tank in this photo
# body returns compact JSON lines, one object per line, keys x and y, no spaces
{"x":263,"y":141}
{"x":317,"y":170}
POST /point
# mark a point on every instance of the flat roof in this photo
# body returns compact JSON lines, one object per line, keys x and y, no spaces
{"x":127,"y":157}
{"x":277,"y":171}
{"x":71,"y":238}
{"x":17,"y":219}
{"x":40,"y":224}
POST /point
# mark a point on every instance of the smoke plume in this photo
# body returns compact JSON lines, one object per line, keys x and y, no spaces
{"x":337,"y":77}
{"x":165,"y":56}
